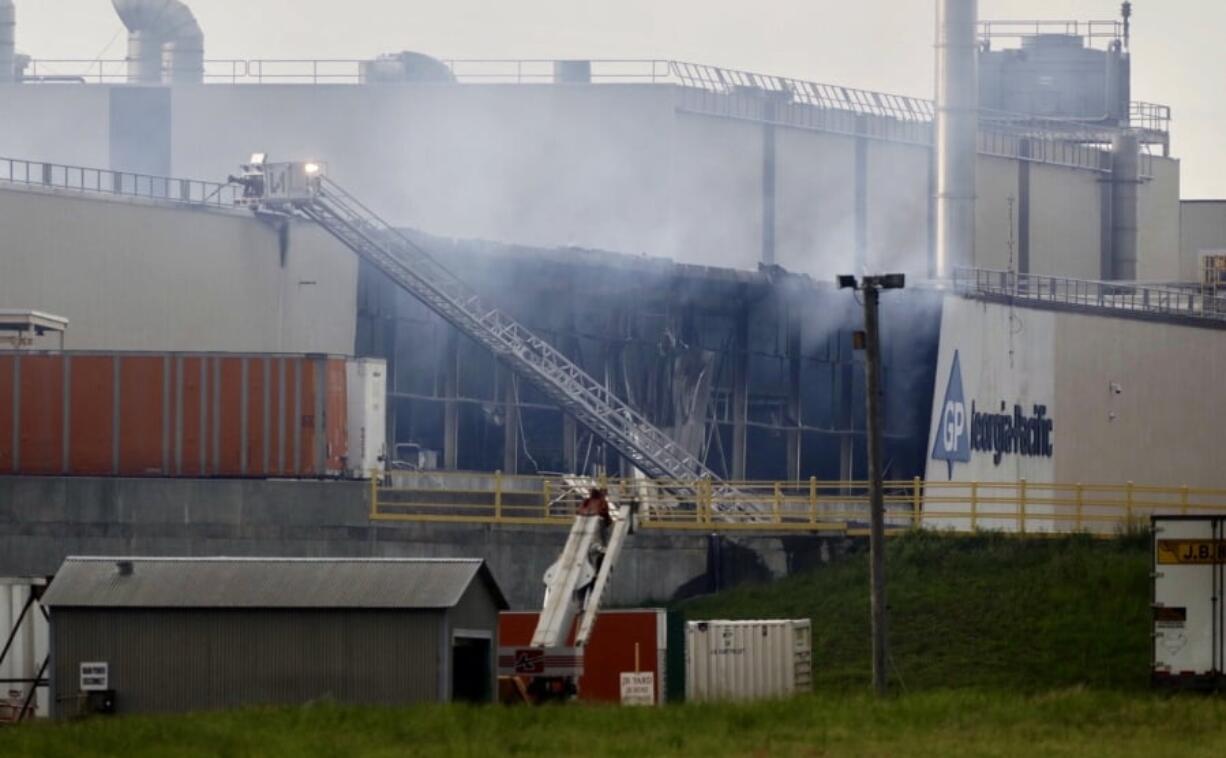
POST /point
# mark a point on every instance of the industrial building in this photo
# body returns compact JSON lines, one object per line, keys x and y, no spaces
{"x":185,"y":634}
{"x":671,"y":229}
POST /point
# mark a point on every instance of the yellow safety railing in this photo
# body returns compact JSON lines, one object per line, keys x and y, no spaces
{"x":789,"y":506}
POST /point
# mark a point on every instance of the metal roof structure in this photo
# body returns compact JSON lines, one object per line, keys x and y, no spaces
{"x":365,"y":583}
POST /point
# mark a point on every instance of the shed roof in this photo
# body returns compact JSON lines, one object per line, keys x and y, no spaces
{"x":406,"y":583}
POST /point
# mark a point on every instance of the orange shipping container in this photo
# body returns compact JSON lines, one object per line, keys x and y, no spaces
{"x":172,"y":414}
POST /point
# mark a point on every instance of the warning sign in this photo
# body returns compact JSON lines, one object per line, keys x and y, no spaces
{"x":94,"y":676}
{"x":1192,"y":552}
{"x":638,"y":688}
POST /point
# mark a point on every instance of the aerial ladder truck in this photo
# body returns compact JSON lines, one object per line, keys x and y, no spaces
{"x":576,"y":582}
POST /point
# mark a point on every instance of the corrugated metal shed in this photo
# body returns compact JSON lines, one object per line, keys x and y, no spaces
{"x":189,"y":634}
{"x":124,"y":582}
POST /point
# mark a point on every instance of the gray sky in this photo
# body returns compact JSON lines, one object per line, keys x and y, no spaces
{"x":1179,"y":54}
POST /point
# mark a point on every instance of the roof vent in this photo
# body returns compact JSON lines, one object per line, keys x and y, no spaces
{"x":123,"y":568}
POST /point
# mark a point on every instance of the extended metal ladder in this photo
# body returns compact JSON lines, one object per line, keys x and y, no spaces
{"x":409,"y":266}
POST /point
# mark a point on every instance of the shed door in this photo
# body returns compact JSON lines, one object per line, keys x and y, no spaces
{"x":471,"y":669}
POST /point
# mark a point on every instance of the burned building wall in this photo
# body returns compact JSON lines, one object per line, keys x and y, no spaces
{"x":753,"y":371}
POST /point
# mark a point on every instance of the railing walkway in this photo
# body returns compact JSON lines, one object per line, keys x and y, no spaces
{"x":810,"y":506}
{"x":1127,"y":299}
{"x":40,"y":175}
{"x":706,"y":89}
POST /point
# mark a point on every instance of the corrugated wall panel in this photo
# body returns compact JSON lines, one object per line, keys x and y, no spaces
{"x":40,"y":445}
{"x":173,"y":414}
{"x":8,"y":404}
{"x":334,"y":415}
{"x":90,"y":413}
{"x":190,"y":408}
{"x":257,"y":417}
{"x":143,"y":426}
{"x":307,"y":409}
{"x":208,"y":659}
{"x":231,"y":422}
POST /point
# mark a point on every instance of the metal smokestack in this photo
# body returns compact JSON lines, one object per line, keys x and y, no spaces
{"x":8,"y":42}
{"x":957,"y":134}
{"x":165,"y":44}
{"x":1125,"y":185}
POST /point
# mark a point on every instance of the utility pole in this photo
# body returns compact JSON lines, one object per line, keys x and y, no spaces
{"x":870,"y":340}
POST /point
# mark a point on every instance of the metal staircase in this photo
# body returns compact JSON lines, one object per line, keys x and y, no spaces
{"x":302,"y":188}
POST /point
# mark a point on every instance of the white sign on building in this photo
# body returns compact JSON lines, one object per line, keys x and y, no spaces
{"x":638,"y":688}
{"x":95,"y":676}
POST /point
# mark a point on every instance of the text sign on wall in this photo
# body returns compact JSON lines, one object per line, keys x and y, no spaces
{"x":94,"y":677}
{"x":638,"y":688}
{"x":961,"y":431}
{"x":1194,"y":552}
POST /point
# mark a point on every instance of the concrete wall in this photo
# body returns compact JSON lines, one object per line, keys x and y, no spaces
{"x":898,"y":199}
{"x":61,"y":124}
{"x":1202,"y":229}
{"x":134,"y":275}
{"x":714,"y":192}
{"x":996,"y":212}
{"x":611,"y":166}
{"x":45,"y":519}
{"x":1158,"y":218}
{"x":1065,"y":222}
{"x":816,"y":207}
{"x":1162,"y":428}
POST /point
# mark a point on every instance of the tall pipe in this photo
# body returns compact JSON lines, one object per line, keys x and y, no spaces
{"x":1125,"y":182}
{"x":8,"y":41}
{"x":957,"y":134}
{"x":165,"y":43}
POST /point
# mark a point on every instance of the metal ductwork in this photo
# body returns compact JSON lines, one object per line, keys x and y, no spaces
{"x":8,"y":42}
{"x":1125,"y":186}
{"x":165,"y":44}
{"x":957,"y":133}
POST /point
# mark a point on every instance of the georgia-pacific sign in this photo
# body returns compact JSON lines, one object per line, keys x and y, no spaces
{"x":961,"y":432}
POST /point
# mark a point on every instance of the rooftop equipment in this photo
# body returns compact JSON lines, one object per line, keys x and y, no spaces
{"x":25,"y":325}
{"x":405,"y":67}
{"x":165,"y":44}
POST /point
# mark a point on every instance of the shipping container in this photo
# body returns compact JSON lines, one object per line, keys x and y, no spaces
{"x":174,"y":414}
{"x":623,"y":642}
{"x":747,"y":660}
{"x":23,"y":626}
{"x":1189,"y":592}
{"x":366,"y":382}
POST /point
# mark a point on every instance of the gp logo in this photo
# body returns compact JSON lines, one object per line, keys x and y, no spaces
{"x":953,"y":435}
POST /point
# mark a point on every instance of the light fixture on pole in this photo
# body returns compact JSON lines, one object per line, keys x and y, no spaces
{"x":871,"y":287}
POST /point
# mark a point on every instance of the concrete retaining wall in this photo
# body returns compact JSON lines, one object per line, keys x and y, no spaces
{"x":45,"y":519}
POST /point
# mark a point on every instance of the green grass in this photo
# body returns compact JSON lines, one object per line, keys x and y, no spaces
{"x":988,"y":611}
{"x":1001,"y":647}
{"x":939,"y":723}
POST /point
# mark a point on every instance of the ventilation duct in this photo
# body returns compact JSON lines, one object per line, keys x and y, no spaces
{"x":8,"y":42}
{"x":165,"y":43}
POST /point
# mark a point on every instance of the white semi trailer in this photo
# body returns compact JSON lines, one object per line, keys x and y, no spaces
{"x":1189,"y":592}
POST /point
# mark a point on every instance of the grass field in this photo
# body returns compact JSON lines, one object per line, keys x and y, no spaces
{"x":1001,"y":646}
{"x":990,"y":611}
{"x":945,"y":723}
